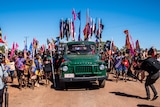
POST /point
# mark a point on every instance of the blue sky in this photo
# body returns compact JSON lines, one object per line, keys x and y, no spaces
{"x":40,"y":19}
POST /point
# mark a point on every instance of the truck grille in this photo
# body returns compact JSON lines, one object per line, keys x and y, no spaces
{"x":83,"y":69}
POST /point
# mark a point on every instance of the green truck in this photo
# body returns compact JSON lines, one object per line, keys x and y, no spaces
{"x":82,"y":63}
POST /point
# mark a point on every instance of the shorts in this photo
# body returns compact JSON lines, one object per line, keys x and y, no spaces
{"x":124,"y":69}
{"x":118,"y":70}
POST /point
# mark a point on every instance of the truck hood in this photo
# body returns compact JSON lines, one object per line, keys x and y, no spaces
{"x":81,"y":59}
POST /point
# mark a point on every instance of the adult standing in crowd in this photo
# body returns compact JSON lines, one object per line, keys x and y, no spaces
{"x":20,"y":66}
{"x":3,"y":79}
{"x":152,"y":66}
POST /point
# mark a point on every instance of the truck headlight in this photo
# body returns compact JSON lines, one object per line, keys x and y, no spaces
{"x":64,"y":68}
{"x":101,"y":67}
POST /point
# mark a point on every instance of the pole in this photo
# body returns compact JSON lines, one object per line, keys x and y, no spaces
{"x":99,"y":35}
{"x":109,"y":65}
{"x":26,"y":37}
{"x":54,"y":82}
{"x":6,"y":96}
{"x":79,"y":38}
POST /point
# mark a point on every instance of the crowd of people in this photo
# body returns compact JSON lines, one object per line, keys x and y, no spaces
{"x":134,"y":65}
{"x":30,"y":69}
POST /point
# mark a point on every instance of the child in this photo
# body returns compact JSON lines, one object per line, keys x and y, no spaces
{"x":33,"y":74}
{"x":12,"y":69}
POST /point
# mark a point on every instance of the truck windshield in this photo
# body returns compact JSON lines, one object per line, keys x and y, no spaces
{"x":80,"y":49}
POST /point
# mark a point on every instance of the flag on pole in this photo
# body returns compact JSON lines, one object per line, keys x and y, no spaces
{"x":12,"y":50}
{"x":87,"y":27}
{"x":61,"y":27}
{"x":1,"y":41}
{"x":48,"y":42}
{"x":31,"y":47}
{"x":127,"y":44}
{"x":42,"y":49}
{"x":35,"y":43}
{"x":74,"y":14}
{"x":86,"y":31}
{"x":16,"y":47}
{"x":79,"y":17}
{"x":73,"y":30}
{"x":137,"y":46}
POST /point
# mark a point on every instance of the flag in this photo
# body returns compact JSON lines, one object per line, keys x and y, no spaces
{"x":67,"y":30}
{"x":94,"y":28}
{"x":42,"y":49}
{"x":87,"y":27}
{"x":127,"y":44}
{"x":1,"y":41}
{"x":100,"y":29}
{"x":79,"y":35}
{"x":132,"y":50}
{"x":35,"y":43}
{"x":73,"y":30}
{"x":25,"y":45}
{"x":61,"y":26}
{"x":126,"y":32}
{"x":132,"y":42}
{"x":25,"y":50}
{"x":57,"y":41}
{"x":137,"y":46}
{"x":108,"y":44}
{"x":74,"y":14}
{"x":12,"y":50}
{"x":91,"y":26}
{"x":79,"y":15}
{"x":86,"y":31}
{"x":16,"y":47}
{"x":31,"y":47}
{"x":48,"y":42}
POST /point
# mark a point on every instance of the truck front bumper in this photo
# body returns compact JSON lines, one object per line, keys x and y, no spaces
{"x":79,"y":79}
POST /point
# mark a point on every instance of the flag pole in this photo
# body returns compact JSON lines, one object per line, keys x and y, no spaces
{"x":109,"y":65}
{"x":80,"y":28}
{"x":54,"y":82}
{"x":99,"y":34}
{"x":87,"y":26}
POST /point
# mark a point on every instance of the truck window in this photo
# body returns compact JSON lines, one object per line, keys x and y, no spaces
{"x":81,"y":49}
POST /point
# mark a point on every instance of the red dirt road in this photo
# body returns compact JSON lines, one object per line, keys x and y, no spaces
{"x":121,"y":94}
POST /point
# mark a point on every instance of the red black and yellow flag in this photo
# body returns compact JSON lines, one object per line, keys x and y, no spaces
{"x":127,"y":44}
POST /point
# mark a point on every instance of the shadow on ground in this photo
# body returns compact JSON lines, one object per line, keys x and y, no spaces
{"x":145,"y":105}
{"x":127,"y":95}
{"x":76,"y":86}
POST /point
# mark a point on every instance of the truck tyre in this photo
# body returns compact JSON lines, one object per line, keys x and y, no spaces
{"x":62,"y":85}
{"x":101,"y":83}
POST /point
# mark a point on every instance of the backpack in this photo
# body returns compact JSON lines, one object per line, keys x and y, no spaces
{"x":152,"y":64}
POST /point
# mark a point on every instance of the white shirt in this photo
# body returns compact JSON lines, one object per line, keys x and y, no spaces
{"x":2,"y":74}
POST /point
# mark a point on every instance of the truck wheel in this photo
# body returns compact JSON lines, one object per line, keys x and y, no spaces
{"x":62,"y":86}
{"x":101,"y":83}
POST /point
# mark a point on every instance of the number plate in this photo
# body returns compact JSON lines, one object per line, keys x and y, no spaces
{"x":68,"y":75}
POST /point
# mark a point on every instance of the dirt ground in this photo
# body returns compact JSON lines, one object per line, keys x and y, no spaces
{"x":120,"y":94}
